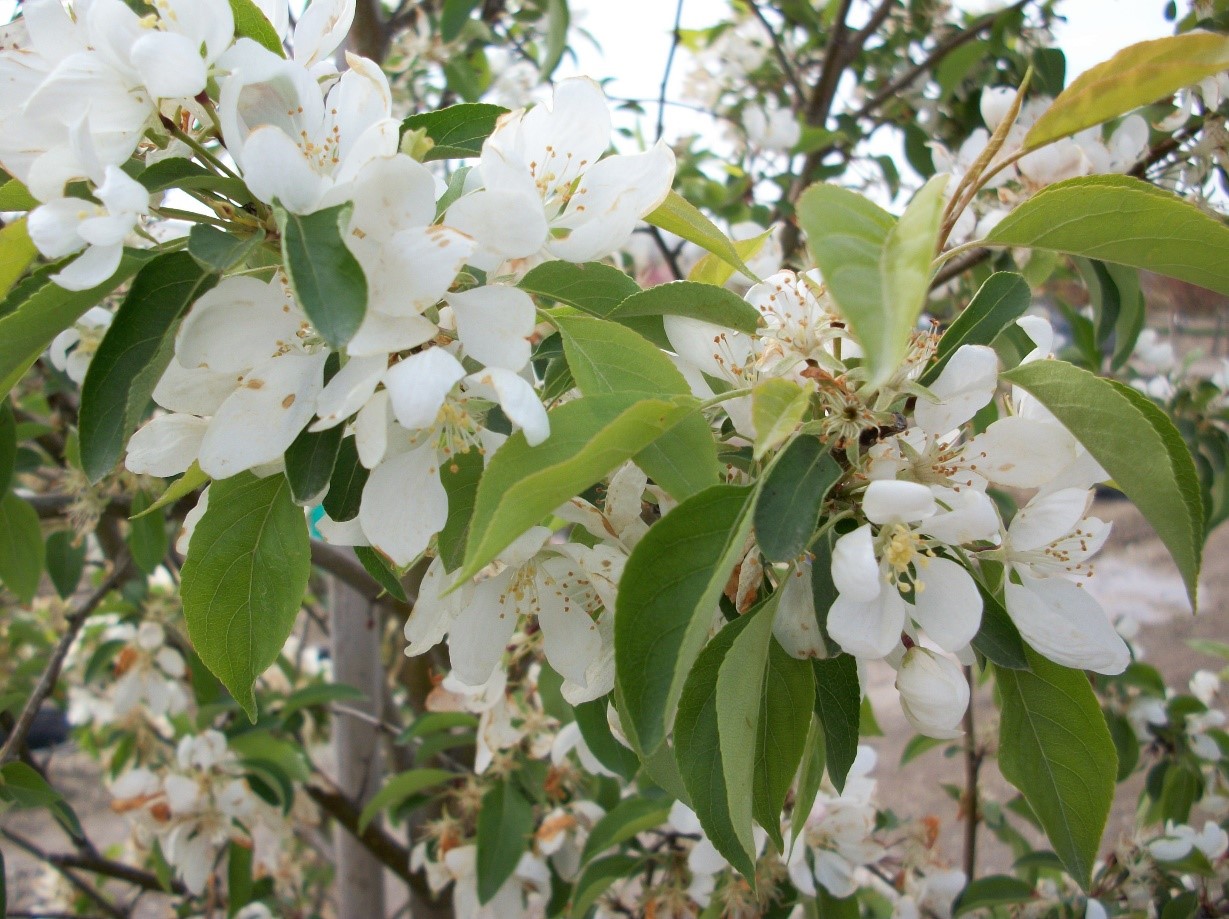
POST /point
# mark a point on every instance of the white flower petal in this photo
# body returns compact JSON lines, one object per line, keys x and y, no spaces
{"x":495,"y":323}
{"x":418,"y":385}
{"x":887,"y":501}
{"x":167,"y":445}
{"x":277,"y":171}
{"x":933,"y":693}
{"x":481,"y":630}
{"x":349,"y":390}
{"x":516,"y":397}
{"x":967,"y":383}
{"x":869,"y":629}
{"x":795,"y":625}
{"x":170,"y":65}
{"x":1021,"y":453}
{"x":240,"y":323}
{"x":484,"y":215}
{"x":1047,"y":518}
{"x":1066,"y":624}
{"x":855,"y":571}
{"x":404,"y":504}
{"x":947,"y":604}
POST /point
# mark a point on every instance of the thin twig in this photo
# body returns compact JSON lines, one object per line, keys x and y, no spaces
{"x":676,"y":37}
{"x":971,"y":801}
{"x":670,"y":255}
{"x":46,"y":683}
{"x":782,"y":58}
{"x":103,"y":903}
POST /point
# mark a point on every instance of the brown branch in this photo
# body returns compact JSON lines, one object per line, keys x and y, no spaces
{"x":779,"y":51}
{"x":820,"y":103}
{"x":96,"y":864}
{"x":959,"y":266}
{"x":67,"y":873}
{"x":971,"y":801}
{"x":676,"y":38}
{"x":941,"y":50}
{"x":46,"y":683}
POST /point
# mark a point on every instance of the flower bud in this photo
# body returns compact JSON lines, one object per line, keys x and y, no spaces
{"x":933,"y":693}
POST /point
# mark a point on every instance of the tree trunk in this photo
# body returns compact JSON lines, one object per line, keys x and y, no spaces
{"x":355,"y":637}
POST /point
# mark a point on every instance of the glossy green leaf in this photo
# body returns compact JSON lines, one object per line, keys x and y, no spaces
{"x":381,"y":571}
{"x":777,"y":408}
{"x":317,"y":695}
{"x":132,"y":357}
{"x":838,"y":701}
{"x":21,"y":547}
{"x":691,"y":300}
{"x":183,"y":486}
{"x":596,"y":879}
{"x":1121,"y":219}
{"x":595,"y":287}
{"x":327,"y":279}
{"x":147,"y":539}
{"x":184,"y":174}
{"x":671,"y":586}
{"x":996,"y":890}
{"x":460,"y":479}
{"x":625,"y":820}
{"x":244,"y":578}
{"x":310,"y":461}
{"x":998,"y":303}
{"x":786,"y":697}
{"x":595,"y":728}
{"x":23,"y":787}
{"x":218,"y":250}
{"x":398,"y":789}
{"x":1134,"y":77}
{"x":8,"y":444}
{"x":679,"y":216}
{"x":1055,"y":748}
{"x":17,"y":253}
{"x":699,"y":751}
{"x":589,"y":438}
{"x":454,"y":16}
{"x":791,"y":495}
{"x":65,"y":558}
{"x":557,"y":21}
{"x":810,"y":777}
{"x":346,"y":483}
{"x":457,"y":131}
{"x":606,"y":358}
{"x":505,"y":825}
{"x":713,"y":270}
{"x":251,"y":22}
{"x":34,"y":313}
{"x":14,"y":196}
{"x":905,"y":269}
{"x":847,"y":235}
{"x":1137,"y":444}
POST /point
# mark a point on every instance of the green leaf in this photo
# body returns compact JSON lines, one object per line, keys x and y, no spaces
{"x":23,"y":787}
{"x":505,"y":824}
{"x":917,"y":745}
{"x":183,"y":486}
{"x":741,"y":702}
{"x":777,"y":408}
{"x":838,"y":702}
{"x":346,"y":483}
{"x":65,"y":562}
{"x":847,"y":235}
{"x":8,"y":444}
{"x":595,"y":728}
{"x":1137,"y":444}
{"x":244,"y":578}
{"x":454,"y":16}
{"x":14,"y":196}
{"x":810,"y":777}
{"x":997,"y":637}
{"x":679,"y":216}
{"x":1055,"y":748}
{"x":786,"y":697}
{"x":179,"y":172}
{"x":625,"y":820}
{"x":596,"y":879}
{"x":905,"y":267}
{"x":147,"y":539}
{"x":17,"y":253}
{"x":132,"y":357}
{"x":398,"y":789}
{"x":318,"y":695}
{"x":217,"y":250}
{"x":594,"y":287}
{"x":458,"y":131}
{"x":791,"y":494}
{"x":1120,"y":219}
{"x":380,"y":570}
{"x":589,"y":438}
{"x":671,"y":585}
{"x":310,"y":461}
{"x":327,"y":279}
{"x":250,"y":22}
{"x":699,"y":751}
{"x":692,"y":300}
{"x":607,"y":358}
{"x":21,"y":547}
{"x":997,"y":304}
{"x":1125,"y":743}
{"x":996,"y":890}
{"x":460,"y":479}
{"x":1136,"y":76}
{"x":557,"y":21}
{"x":712,"y":270}
{"x":34,"y":314}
